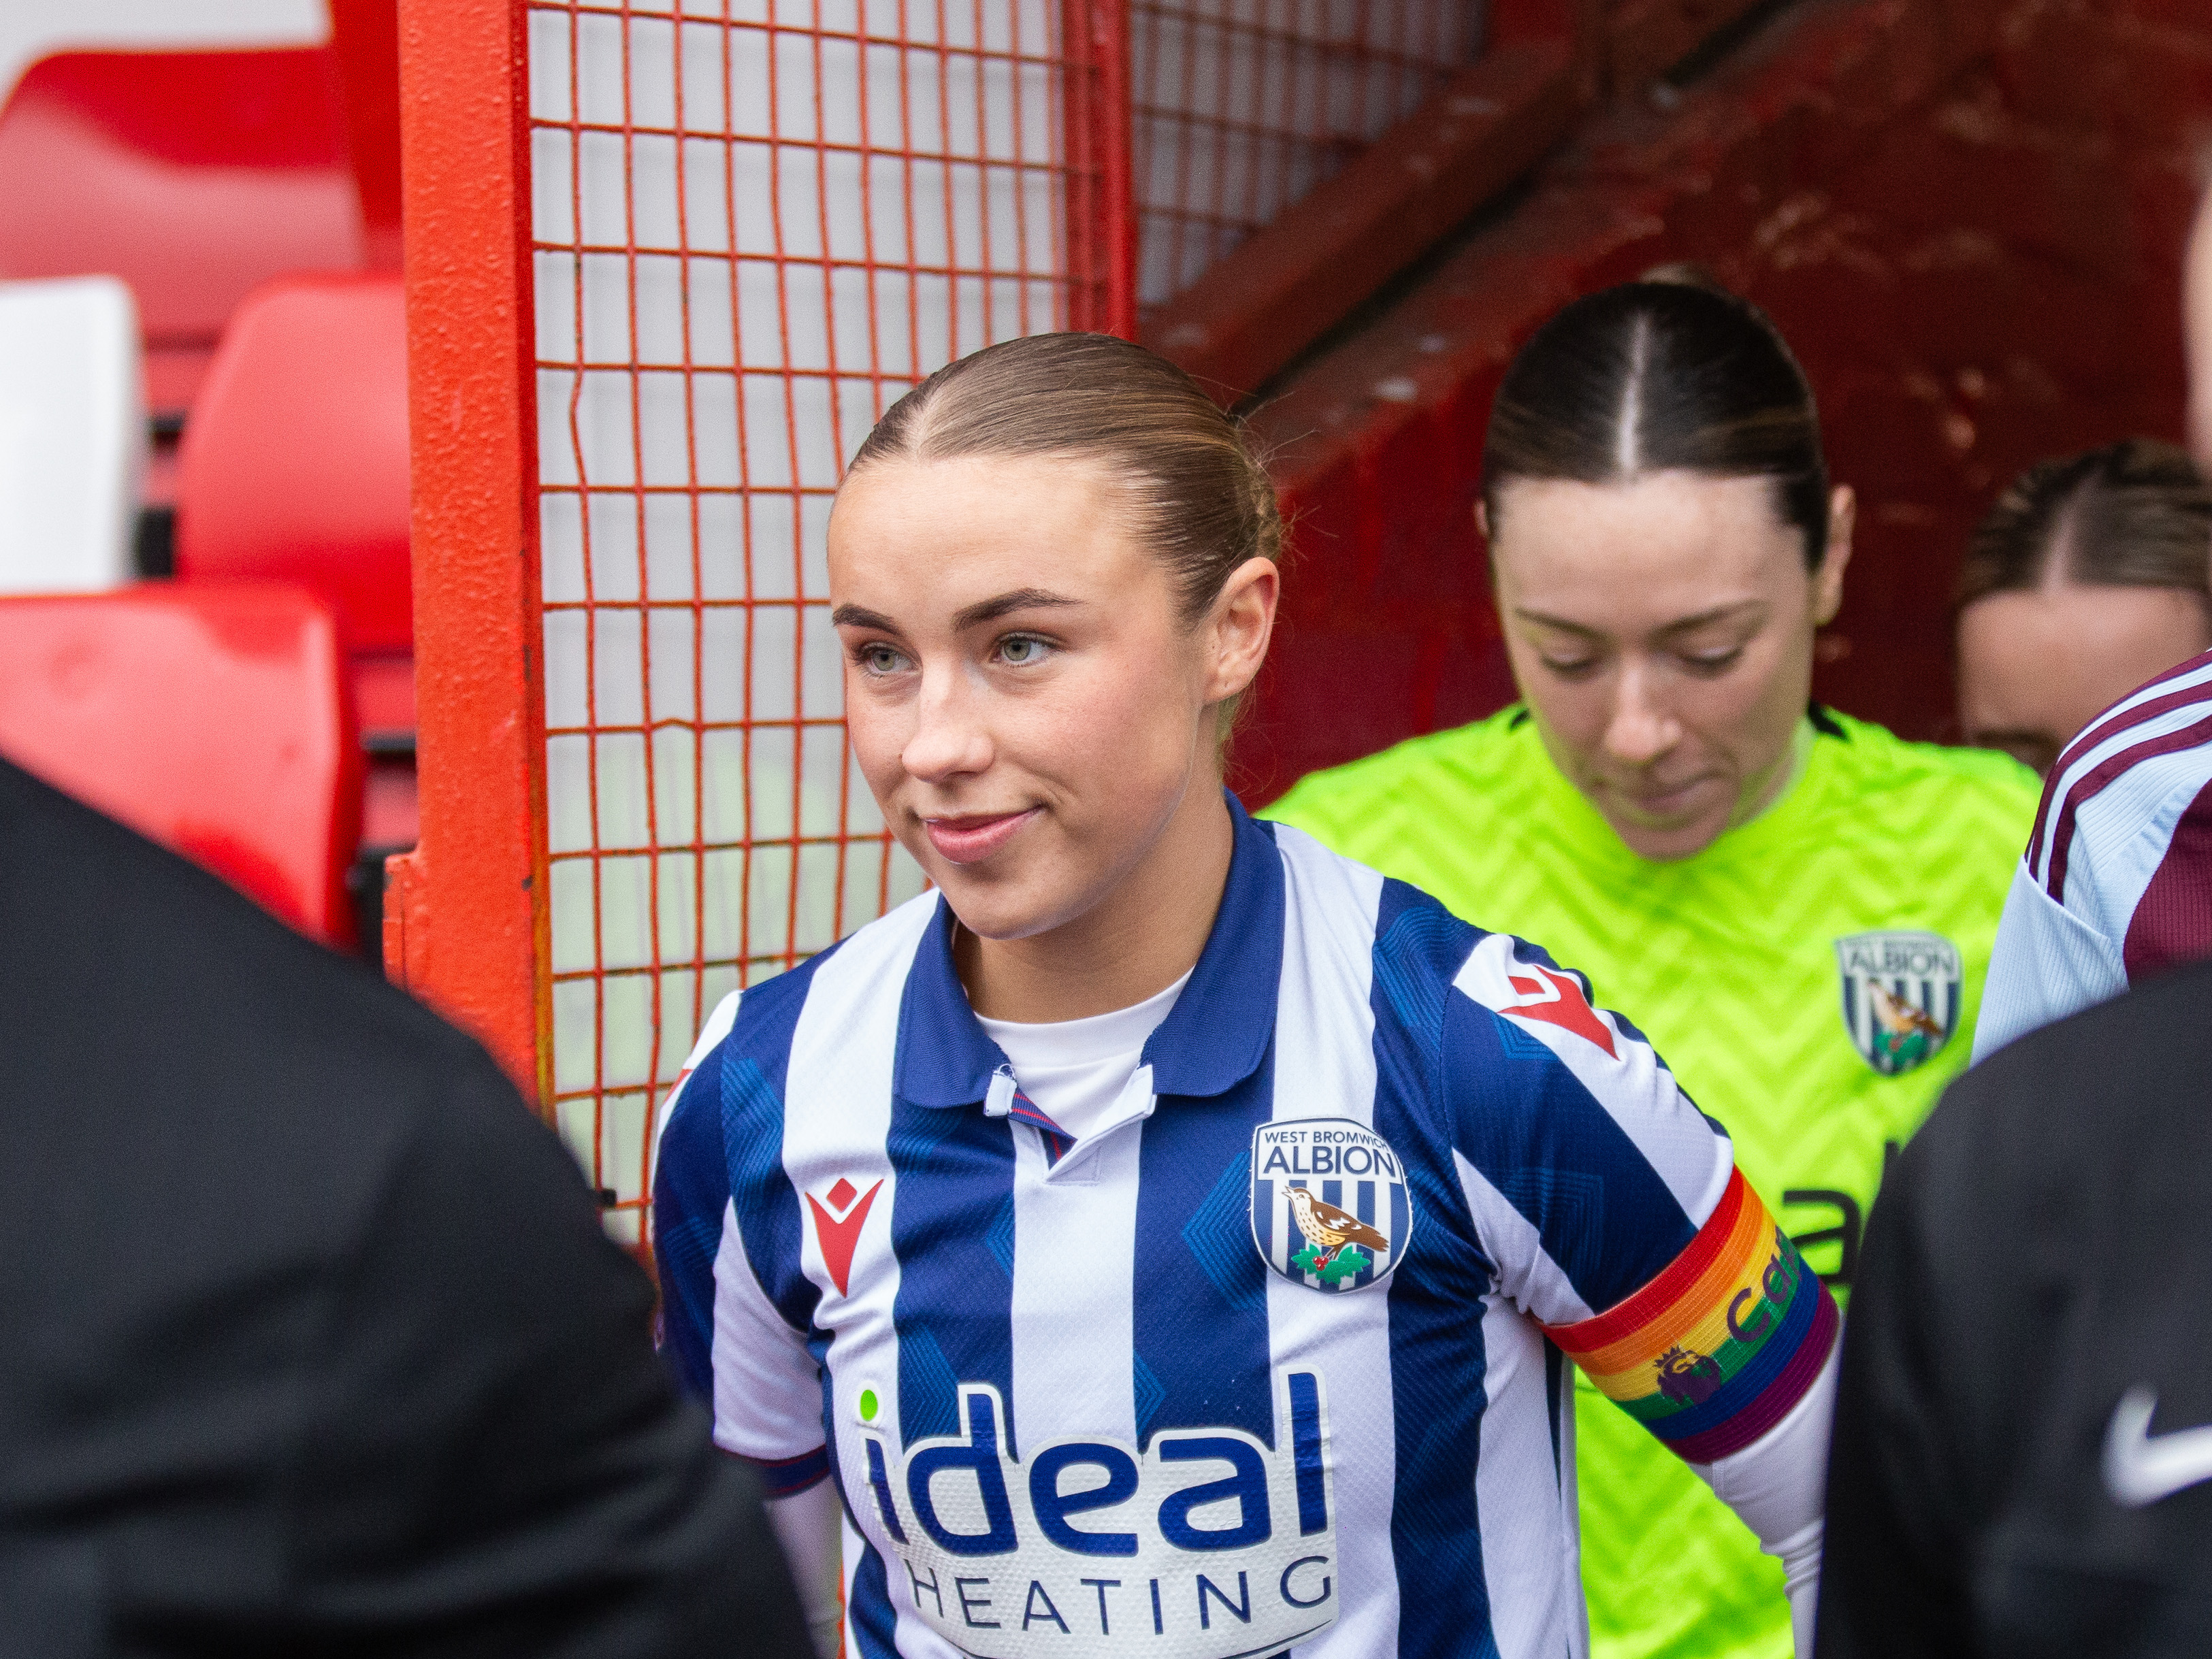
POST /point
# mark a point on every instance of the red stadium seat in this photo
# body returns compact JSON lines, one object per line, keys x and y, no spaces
{"x":217,"y":719}
{"x":294,"y":467}
{"x":195,"y":176}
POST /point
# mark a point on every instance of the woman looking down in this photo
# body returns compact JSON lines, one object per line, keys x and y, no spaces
{"x":2083,"y":630}
{"x":2087,"y":578}
{"x":1798,"y":907}
{"x":1157,"y":1228}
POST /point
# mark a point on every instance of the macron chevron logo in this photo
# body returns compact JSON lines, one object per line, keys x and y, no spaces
{"x":838,"y":1229}
{"x":1560,"y":1001}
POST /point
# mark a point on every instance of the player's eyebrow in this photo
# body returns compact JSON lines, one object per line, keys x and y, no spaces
{"x":1021,"y":598}
{"x":1719,"y":613}
{"x":855,"y":615}
{"x":1560,"y":622}
{"x":1680,"y":625}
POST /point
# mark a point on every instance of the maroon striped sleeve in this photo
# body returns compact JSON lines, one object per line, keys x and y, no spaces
{"x":2120,"y":717}
{"x":2094,"y":781}
{"x":2172,"y":920}
{"x":2110,"y":725}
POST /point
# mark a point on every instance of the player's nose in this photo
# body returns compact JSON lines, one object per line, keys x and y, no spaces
{"x":950,"y":738}
{"x":1640,"y":729}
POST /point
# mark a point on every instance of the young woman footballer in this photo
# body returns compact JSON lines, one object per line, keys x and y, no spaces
{"x":1167,"y":1237}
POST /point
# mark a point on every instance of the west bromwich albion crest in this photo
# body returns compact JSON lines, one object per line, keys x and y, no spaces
{"x":1329,"y":1205}
{"x":1902,"y":992}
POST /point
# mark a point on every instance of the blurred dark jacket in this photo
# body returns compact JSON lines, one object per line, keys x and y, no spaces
{"x":2022,"y":1461}
{"x":312,"y":1343}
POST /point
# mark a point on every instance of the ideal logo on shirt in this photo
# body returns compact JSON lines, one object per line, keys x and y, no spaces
{"x":1205,"y":1545}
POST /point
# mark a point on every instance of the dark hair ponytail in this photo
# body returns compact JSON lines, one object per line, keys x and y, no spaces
{"x":2136,"y":514}
{"x":1654,"y":376}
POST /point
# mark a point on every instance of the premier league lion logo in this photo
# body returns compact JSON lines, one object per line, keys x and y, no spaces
{"x":1686,"y":1377}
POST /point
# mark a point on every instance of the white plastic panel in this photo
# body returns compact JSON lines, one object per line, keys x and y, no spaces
{"x":72,"y":434}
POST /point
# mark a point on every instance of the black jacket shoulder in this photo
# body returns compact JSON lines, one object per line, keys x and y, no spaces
{"x":2038,"y":1253}
{"x":315,"y":1338}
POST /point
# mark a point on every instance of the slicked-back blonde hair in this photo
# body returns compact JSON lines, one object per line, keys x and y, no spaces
{"x":1196,"y":494}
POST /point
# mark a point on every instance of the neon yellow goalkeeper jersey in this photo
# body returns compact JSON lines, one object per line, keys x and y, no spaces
{"x":1812,"y":978}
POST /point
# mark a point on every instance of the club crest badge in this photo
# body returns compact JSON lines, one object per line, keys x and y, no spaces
{"x":1902,"y":993}
{"x":1330,"y":1209}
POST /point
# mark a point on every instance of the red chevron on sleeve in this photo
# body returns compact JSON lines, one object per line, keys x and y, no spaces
{"x":1566,"y":1007}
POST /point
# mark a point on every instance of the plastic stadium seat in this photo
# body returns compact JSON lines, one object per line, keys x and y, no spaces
{"x":195,"y":176}
{"x":294,"y":466}
{"x":72,"y":434}
{"x":215,"y":719}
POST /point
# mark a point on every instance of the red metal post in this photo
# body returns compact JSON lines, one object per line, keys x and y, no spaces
{"x":468,"y":923}
{"x":366,"y":35}
{"x":1102,"y":230}
{"x":1110,"y":21}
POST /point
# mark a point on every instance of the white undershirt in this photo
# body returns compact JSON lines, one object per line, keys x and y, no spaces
{"x":1074,"y":1070}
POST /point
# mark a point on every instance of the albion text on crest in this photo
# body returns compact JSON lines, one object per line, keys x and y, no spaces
{"x":1330,"y":1208}
{"x":1901,"y":996}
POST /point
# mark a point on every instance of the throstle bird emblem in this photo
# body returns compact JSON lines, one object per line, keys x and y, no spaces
{"x":1901,"y":1018}
{"x":1906,"y":1032}
{"x":1331,"y":1208}
{"x":1330,"y":1230}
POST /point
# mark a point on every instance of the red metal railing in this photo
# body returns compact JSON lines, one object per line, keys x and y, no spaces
{"x":748,"y":226}
{"x":1242,"y":107}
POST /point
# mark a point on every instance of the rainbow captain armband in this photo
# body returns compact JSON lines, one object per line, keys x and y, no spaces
{"x":1714,"y":1352}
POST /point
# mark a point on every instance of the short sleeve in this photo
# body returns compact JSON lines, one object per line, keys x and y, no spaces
{"x":724,"y":1336}
{"x":2047,"y":963}
{"x":1614,"y":1212}
{"x":710,"y":1038}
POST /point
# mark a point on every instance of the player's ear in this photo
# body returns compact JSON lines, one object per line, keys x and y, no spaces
{"x":1828,"y":579}
{"x":1240,"y":623}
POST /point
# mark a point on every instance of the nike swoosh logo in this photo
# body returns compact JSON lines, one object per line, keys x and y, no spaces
{"x":2141,"y":1469}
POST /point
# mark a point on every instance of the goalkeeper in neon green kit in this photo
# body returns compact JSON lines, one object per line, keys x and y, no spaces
{"x":1798,"y":906}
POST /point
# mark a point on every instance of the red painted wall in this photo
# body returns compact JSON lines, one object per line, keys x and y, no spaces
{"x":1967,"y":215}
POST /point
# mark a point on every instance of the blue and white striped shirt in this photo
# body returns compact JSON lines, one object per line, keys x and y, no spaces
{"x":1121,"y":1403}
